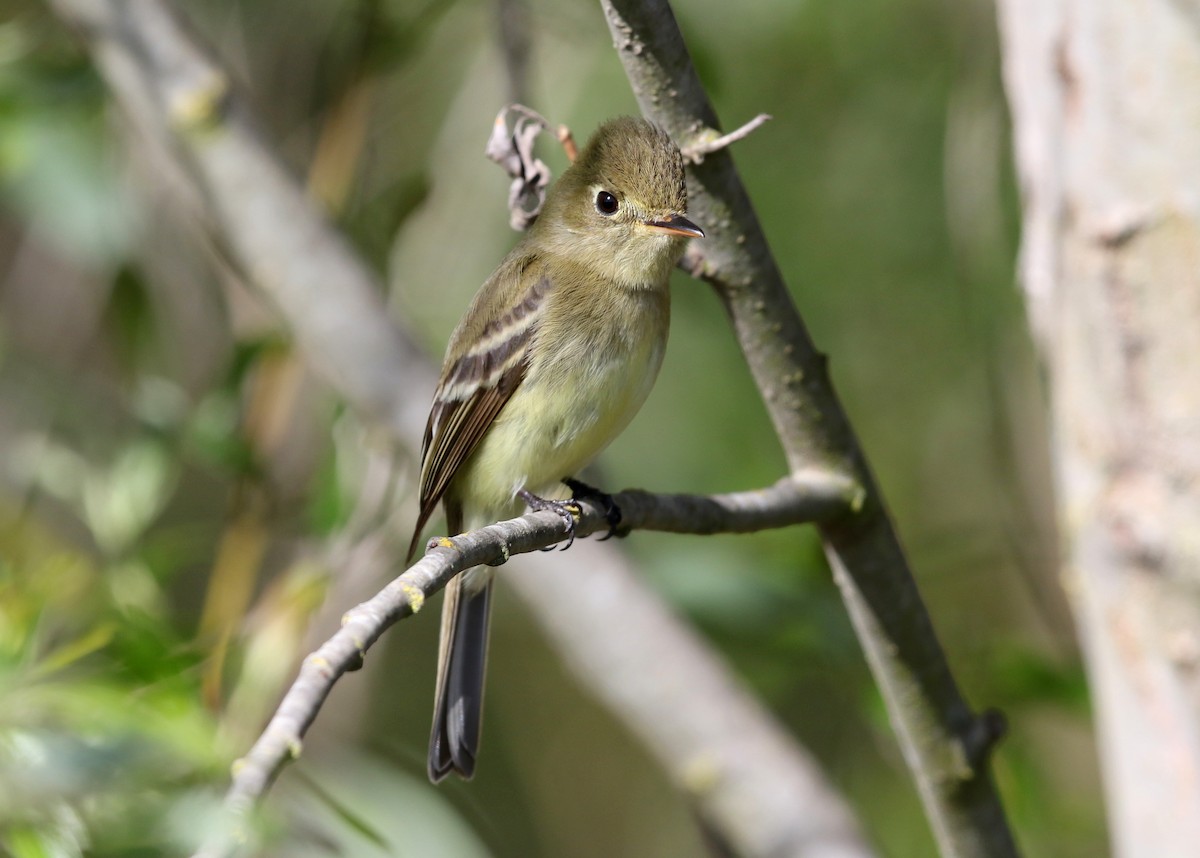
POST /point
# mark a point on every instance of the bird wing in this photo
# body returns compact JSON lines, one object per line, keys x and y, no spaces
{"x":486,"y":363}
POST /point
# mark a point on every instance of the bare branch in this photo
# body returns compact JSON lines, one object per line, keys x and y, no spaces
{"x":567,"y":139}
{"x":790,"y":501}
{"x":933,"y":723}
{"x":808,"y":497}
{"x":514,"y":20}
{"x":694,"y":152}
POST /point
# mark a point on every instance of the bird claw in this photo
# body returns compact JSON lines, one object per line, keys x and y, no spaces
{"x":612,"y":513}
{"x":568,"y":510}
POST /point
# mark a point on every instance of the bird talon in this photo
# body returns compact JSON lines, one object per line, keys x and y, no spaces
{"x":568,"y":510}
{"x":612,"y":513}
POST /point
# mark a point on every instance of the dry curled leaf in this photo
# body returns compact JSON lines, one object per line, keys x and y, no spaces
{"x":511,"y":146}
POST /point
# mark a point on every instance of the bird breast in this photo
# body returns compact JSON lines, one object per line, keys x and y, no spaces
{"x":584,"y":385}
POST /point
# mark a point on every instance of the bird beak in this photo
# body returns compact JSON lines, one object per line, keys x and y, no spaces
{"x":675,"y":225}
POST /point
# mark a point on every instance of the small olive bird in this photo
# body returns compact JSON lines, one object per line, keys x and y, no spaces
{"x":555,"y":355}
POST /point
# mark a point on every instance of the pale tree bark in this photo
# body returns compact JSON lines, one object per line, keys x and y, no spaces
{"x":1107,"y":120}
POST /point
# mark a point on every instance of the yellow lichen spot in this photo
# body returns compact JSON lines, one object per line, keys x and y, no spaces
{"x":200,"y":107}
{"x":237,"y":766}
{"x":701,"y":774}
{"x":858,"y":499}
{"x":416,"y":598}
{"x":958,"y":764}
{"x":294,"y":747}
{"x":445,"y":542}
{"x":319,"y":662}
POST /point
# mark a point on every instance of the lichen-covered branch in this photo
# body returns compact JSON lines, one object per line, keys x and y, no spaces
{"x":934,"y":725}
{"x":787,"y":502}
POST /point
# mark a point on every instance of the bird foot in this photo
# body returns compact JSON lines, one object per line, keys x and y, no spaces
{"x":568,"y":510}
{"x":612,"y":513}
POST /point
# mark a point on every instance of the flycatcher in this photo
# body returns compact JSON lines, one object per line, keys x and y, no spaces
{"x":555,"y":355}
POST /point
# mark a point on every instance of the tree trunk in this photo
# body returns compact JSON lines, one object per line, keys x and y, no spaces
{"x":1107,"y":120}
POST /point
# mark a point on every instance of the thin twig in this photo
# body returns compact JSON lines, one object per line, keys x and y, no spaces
{"x":694,"y":152}
{"x":513,"y":18}
{"x":567,"y":139}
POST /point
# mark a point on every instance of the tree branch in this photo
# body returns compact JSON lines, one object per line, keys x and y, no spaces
{"x":789,"y":501}
{"x":764,"y":793}
{"x":935,"y":728}
{"x":696,"y":151}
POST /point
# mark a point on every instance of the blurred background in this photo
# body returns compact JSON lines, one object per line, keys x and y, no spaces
{"x":185,"y":511}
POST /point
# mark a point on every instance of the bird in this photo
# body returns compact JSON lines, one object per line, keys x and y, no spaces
{"x":555,"y":354}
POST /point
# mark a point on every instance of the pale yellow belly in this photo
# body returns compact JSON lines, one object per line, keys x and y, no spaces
{"x":565,"y":412}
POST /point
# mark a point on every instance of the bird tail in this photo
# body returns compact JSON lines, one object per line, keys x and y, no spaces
{"x":462,"y":663}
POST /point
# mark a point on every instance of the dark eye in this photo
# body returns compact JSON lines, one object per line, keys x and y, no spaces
{"x":606,"y":203}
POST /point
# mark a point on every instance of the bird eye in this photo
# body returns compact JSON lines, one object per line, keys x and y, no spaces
{"x":606,"y":203}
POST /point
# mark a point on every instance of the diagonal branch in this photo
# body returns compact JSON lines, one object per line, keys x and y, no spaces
{"x":945,"y":744}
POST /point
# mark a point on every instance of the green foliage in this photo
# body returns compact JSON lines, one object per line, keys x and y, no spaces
{"x":100,"y":731}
